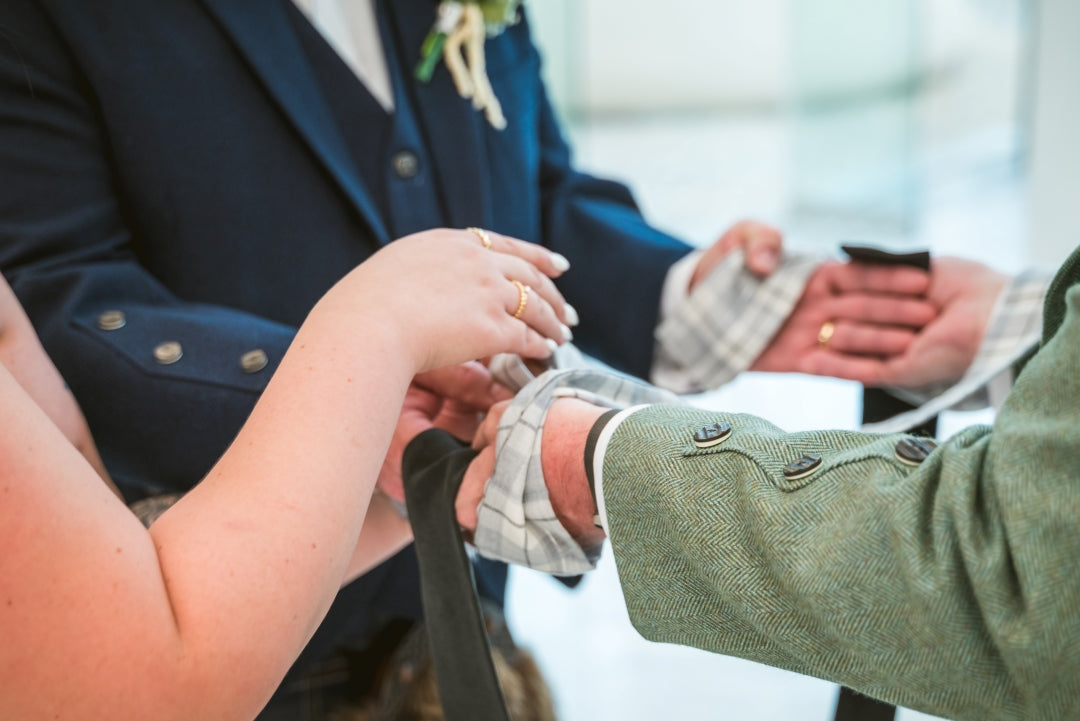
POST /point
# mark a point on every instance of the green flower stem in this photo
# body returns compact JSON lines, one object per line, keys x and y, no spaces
{"x":430,"y":53}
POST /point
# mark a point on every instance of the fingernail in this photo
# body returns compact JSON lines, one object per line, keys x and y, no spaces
{"x":560,"y":262}
{"x":567,"y":334}
{"x":552,"y":345}
{"x":571,"y":315}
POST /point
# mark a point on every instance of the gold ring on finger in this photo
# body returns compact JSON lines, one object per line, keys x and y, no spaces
{"x":523,"y":298}
{"x":825,"y":334}
{"x":483,"y":235}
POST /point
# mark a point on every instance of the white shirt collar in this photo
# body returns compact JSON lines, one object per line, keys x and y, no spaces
{"x":351,"y":29}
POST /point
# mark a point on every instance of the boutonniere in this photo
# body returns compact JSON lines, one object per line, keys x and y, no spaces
{"x":458,"y":35}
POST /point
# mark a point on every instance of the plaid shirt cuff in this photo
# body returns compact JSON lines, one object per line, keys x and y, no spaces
{"x":515,"y":520}
{"x":724,"y":325}
{"x":1016,"y":322}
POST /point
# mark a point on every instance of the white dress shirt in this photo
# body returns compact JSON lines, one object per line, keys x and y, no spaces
{"x":351,"y":29}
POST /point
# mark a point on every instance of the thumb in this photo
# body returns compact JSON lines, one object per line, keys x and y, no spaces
{"x":467,"y":504}
{"x":763,"y":247}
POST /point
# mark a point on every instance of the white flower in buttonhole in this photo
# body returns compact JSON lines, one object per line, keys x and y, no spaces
{"x":458,"y":36}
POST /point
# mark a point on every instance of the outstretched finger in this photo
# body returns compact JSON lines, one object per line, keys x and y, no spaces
{"x":871,"y":278}
{"x":869,"y":340}
{"x":550,"y":263}
{"x":884,"y":310}
{"x":531,"y":308}
{"x":517,"y":269}
{"x":526,"y":323}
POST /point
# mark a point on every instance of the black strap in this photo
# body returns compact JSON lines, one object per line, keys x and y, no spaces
{"x":879,"y":405}
{"x":591,"y":440}
{"x":853,"y":706}
{"x":433,"y":468}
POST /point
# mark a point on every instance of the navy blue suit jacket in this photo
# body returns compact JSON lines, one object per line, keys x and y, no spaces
{"x":176,"y":160}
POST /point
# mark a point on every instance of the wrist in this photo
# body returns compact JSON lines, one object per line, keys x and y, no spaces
{"x":562,"y":456}
{"x":348,"y":326}
{"x":362,"y":316}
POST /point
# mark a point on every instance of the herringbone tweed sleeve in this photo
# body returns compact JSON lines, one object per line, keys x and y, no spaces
{"x":951,"y":586}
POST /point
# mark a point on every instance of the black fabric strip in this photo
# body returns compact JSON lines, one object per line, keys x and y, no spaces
{"x":433,"y":468}
{"x":878,"y":405}
{"x":590,"y":449}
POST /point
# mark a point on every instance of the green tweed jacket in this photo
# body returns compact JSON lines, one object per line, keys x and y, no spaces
{"x":949,"y":585}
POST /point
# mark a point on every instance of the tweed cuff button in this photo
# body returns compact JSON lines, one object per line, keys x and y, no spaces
{"x":713,"y":435}
{"x":914,"y":451}
{"x":803,"y":467}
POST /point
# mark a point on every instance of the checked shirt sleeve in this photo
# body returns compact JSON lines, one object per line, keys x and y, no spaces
{"x":723,"y":326}
{"x":515,"y":520}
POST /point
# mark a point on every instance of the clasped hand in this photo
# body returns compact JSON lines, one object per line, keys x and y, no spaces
{"x":890,"y":325}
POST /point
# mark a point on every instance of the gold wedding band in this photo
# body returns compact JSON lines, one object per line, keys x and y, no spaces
{"x":523,"y":298}
{"x":483,"y":235}
{"x":825,"y":334}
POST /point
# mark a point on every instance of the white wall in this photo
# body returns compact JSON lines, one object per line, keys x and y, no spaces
{"x":1054,"y":170}
{"x":610,"y":56}
{"x":683,"y":54}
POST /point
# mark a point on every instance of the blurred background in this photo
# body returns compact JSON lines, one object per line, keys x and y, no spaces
{"x":940,"y":124}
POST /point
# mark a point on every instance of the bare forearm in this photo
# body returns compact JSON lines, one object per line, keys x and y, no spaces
{"x":385,"y":532}
{"x":228,"y":584}
{"x":232,"y":580}
{"x":21,"y":353}
{"x":283,"y":509}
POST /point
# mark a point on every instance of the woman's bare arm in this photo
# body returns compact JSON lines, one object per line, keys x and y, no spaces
{"x":201,"y":615}
{"x":22,"y":354}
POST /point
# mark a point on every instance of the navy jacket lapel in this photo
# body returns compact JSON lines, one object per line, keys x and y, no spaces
{"x":265,"y":36}
{"x":453,"y":129}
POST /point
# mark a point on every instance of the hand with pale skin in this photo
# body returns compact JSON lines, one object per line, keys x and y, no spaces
{"x":892,"y":325}
{"x":562,"y":454}
{"x":761,"y":243}
{"x":876,"y":312}
{"x":964,"y":292}
{"x":454,"y":398}
{"x":104,"y":618}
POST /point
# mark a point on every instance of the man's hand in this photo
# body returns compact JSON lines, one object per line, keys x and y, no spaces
{"x":476,"y":477}
{"x":964,"y":293}
{"x":453,"y":398}
{"x":884,"y":331}
{"x":562,"y":457}
{"x":875,"y":312}
{"x":761,"y":243}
